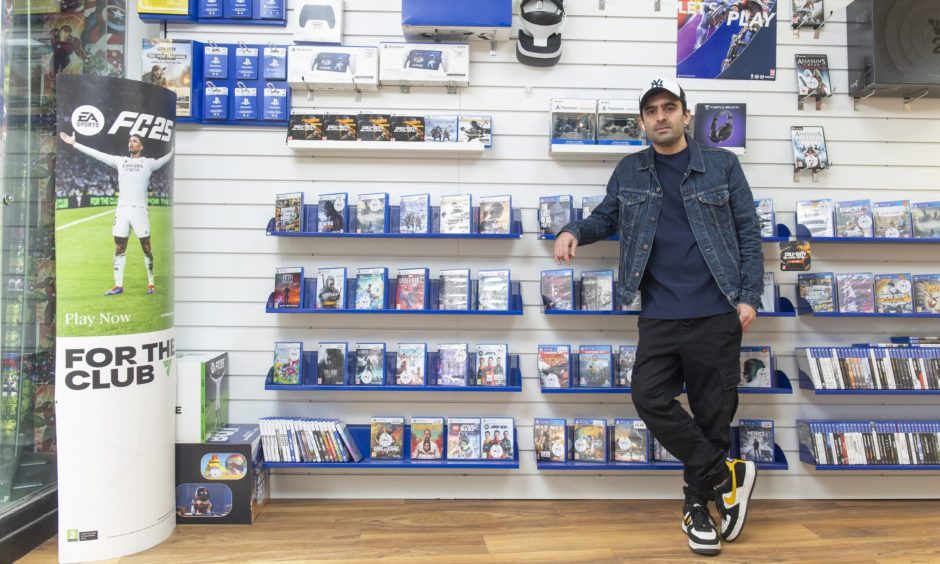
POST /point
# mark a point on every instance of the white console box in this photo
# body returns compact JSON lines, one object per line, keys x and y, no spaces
{"x":424,"y":64}
{"x":326,"y":67}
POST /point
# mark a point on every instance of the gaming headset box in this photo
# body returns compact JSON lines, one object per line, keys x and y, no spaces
{"x":317,"y":21}
{"x":488,"y":20}
{"x":327,"y":67}
{"x":573,"y":121}
{"x":223,"y":480}
{"x":424,"y":64}
{"x":721,"y":125}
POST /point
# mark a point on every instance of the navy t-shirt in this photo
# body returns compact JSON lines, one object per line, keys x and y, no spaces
{"x":677,"y":283}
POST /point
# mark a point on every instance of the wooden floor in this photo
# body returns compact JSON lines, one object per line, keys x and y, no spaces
{"x":550,"y":531}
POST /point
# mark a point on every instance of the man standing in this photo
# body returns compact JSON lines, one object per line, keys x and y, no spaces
{"x":134,"y":173}
{"x":690,"y":244}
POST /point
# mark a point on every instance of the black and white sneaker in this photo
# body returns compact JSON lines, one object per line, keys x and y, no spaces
{"x":732,"y":499}
{"x":700,"y":528}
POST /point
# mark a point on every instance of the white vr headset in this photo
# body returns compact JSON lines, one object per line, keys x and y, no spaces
{"x":540,"y":38}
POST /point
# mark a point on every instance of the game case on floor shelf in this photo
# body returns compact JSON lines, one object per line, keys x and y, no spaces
{"x":332,"y":213}
{"x":756,"y":439}
{"x":331,"y":288}
{"x":372,"y":213}
{"x":493,"y":290}
{"x":411,"y":364}
{"x":554,"y":366}
{"x":414,"y":214}
{"x":597,"y":290}
{"x":816,"y":216}
{"x":812,"y":76}
{"x":427,"y":438}
{"x":554,"y":213}
{"x":588,"y":203}
{"x":589,"y":438}
{"x":463,"y":438}
{"x":492,"y":365}
{"x":453,"y":364}
{"x":756,"y":367}
{"x":370,"y":288}
{"x":854,"y":219}
{"x":289,"y":212}
{"x":370,"y":364}
{"x":856,"y":292}
{"x":927,"y":293}
{"x":630,"y":441}
{"x":660,"y":454}
{"x":809,"y":148}
{"x":455,"y":214}
{"x":412,"y":289}
{"x":455,"y":289}
{"x":818,"y":289}
{"x":558,"y":289}
{"x":440,"y":129}
{"x":387,"y":438}
{"x":550,"y":438}
{"x":893,"y":219}
{"x":767,"y":216}
{"x":288,"y":362}
{"x":595,"y":366}
{"x":331,"y":364}
{"x":288,"y":287}
{"x":495,"y":214}
{"x":625,"y":364}
{"x":497,"y":441}
{"x":925,"y":217}
{"x":894,"y":293}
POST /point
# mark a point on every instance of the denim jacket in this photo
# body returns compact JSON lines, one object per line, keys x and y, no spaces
{"x":720,"y":208}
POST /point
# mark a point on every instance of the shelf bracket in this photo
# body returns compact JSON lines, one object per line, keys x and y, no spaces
{"x":493,"y":45}
{"x":601,"y":4}
{"x":658,"y":6}
{"x":856,"y":100}
{"x":908,"y":100}
{"x":451,"y":88}
{"x":404,"y":89}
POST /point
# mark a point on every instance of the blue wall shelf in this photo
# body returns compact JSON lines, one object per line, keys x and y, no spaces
{"x":804,"y":308}
{"x":781,"y":383}
{"x":802,"y":232}
{"x":807,"y":458}
{"x":361,"y":434}
{"x":806,"y":383}
{"x":309,"y":377}
{"x":784,"y":308}
{"x":783,"y":232}
{"x":310,"y":223}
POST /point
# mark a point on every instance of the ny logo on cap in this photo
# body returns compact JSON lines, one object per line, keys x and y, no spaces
{"x":658,"y":83}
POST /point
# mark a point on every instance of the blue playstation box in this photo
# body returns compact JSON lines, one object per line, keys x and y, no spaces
{"x":487,"y":20}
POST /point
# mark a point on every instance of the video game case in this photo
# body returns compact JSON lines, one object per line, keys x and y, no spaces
{"x":340,"y":127}
{"x":495,"y":215}
{"x":756,"y":367}
{"x":493,"y":290}
{"x":554,"y":213}
{"x":597,"y":290}
{"x":625,"y":362}
{"x":288,"y":288}
{"x":455,"y":213}
{"x":856,"y":292}
{"x":331,"y":364}
{"x":288,"y":363}
{"x":453,"y":359}
{"x":809,"y":148}
{"x":373,"y":127}
{"x":475,"y":129}
{"x":331,"y":288}
{"x":550,"y":439}
{"x":589,"y":440}
{"x":595,"y":363}
{"x":573,"y":121}
{"x":818,"y":289}
{"x":387,"y":438}
{"x":497,"y":441}
{"x":441,"y":129}
{"x":812,"y":76}
{"x":463,"y":438}
{"x":372,"y":213}
{"x":618,"y":123}
{"x":305,"y":127}
{"x":925,"y":217}
{"x":769,"y":297}
{"x":854,"y":219}
{"x":892,"y":219}
{"x":588,"y":203}
{"x":721,"y":125}
{"x":927,"y":293}
{"x":427,"y":438}
{"x":659,"y":453}
{"x":767,"y":216}
{"x":630,"y":441}
{"x":289,"y":212}
{"x":554,"y":366}
{"x":756,"y":439}
{"x":411,"y":364}
{"x":407,"y":129}
{"x":492,"y":367}
{"x":370,"y":288}
{"x":455,"y":289}
{"x":370,"y":364}
{"x":816,"y":216}
{"x":414,"y":214}
{"x":558,"y":289}
{"x":807,"y":13}
{"x":332,"y":213}
{"x":412,"y":289}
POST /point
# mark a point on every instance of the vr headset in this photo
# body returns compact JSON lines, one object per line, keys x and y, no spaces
{"x":540,"y":35}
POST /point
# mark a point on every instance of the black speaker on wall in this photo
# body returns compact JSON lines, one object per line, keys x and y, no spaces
{"x":894,"y":47}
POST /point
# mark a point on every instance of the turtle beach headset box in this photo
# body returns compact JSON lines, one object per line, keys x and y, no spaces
{"x":486,"y":20}
{"x":222,"y":481}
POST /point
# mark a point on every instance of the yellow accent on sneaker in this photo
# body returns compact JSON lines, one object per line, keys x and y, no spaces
{"x":734,"y":484}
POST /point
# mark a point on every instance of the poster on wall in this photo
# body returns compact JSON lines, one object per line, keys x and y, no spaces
{"x":727,"y":39}
{"x":115,"y":371}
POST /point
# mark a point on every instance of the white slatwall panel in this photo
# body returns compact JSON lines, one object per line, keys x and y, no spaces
{"x":227,"y":179}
